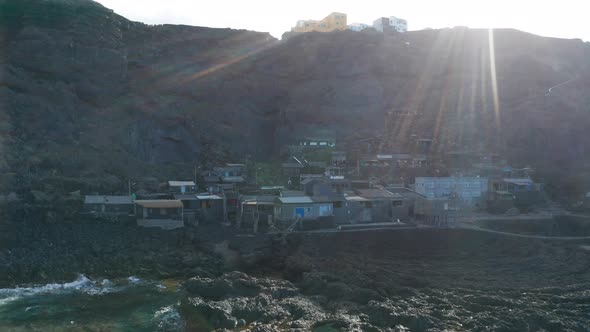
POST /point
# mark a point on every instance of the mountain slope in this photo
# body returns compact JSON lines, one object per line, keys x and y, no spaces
{"x":89,"y":99}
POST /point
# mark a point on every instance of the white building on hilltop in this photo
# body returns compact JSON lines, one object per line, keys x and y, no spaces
{"x":390,"y":23}
{"x":398,"y":24}
{"x":358,"y":26}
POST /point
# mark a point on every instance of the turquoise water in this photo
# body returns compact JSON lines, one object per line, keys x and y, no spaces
{"x":92,"y":305}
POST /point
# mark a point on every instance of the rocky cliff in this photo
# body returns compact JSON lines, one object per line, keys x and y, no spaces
{"x":89,"y":98}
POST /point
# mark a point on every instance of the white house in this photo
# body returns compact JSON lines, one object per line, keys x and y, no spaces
{"x":182,"y":186}
{"x":400,"y":25}
{"x":387,"y":23}
{"x":468,"y":189}
{"x":358,"y":26}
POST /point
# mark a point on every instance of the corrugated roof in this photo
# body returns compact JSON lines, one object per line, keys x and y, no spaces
{"x":295,"y":200}
{"x":262,"y":199}
{"x":405,"y":192}
{"x":180,"y":183}
{"x":327,"y":199}
{"x":519,"y":182}
{"x":232,"y":178}
{"x":160,"y":203}
{"x":101,"y":199}
{"x":356,"y":199}
{"x":186,"y":197}
{"x":293,"y":165}
{"x":292,"y":193}
{"x":377,"y":193}
{"x":207,"y":197}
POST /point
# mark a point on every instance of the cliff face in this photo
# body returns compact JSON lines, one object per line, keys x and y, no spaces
{"x":86,"y":95}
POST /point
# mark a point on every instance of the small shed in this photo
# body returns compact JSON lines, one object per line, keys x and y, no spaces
{"x":182,"y":187}
{"x":438,"y":211}
{"x":257,"y":212}
{"x":210,"y":208}
{"x":164,"y":214}
{"x":191,"y":206}
{"x":300,"y":207}
{"x":339,"y":207}
{"x":409,"y":196}
{"x":358,"y":210}
{"x":108,"y":207}
{"x":292,"y":169}
{"x":385,"y":205}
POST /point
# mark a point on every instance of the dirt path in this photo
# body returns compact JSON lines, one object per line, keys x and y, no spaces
{"x":543,"y":237}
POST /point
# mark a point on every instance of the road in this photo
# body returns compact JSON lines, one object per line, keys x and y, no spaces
{"x":458,"y":225}
{"x":542,"y":237}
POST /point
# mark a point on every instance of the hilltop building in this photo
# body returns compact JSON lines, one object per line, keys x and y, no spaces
{"x":358,"y":26}
{"x":334,"y":21}
{"x":390,"y":23}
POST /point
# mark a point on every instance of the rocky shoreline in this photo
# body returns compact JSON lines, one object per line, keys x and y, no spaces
{"x":42,"y":253}
{"x":392,"y":280}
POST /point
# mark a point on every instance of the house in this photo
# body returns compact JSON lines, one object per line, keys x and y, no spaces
{"x":334,"y":21}
{"x":358,"y":26}
{"x":211,"y":208}
{"x":325,"y":186}
{"x":303,"y":211}
{"x":410,"y":197}
{"x":358,"y":210}
{"x":190,"y":203}
{"x":108,"y":207}
{"x":338,"y":158}
{"x":440,"y":211}
{"x":231,"y":173}
{"x":314,"y":142}
{"x":526,"y":192}
{"x":392,"y":23}
{"x":257,"y":212}
{"x":500,"y":201}
{"x":420,"y":161}
{"x":398,"y":24}
{"x":424,"y":145}
{"x":292,"y":169}
{"x":302,"y":177}
{"x":220,"y":188}
{"x":182,"y":187}
{"x":515,"y":185}
{"x":470,"y":190}
{"x":164,"y":214}
{"x":328,"y":190}
{"x":384,"y":205}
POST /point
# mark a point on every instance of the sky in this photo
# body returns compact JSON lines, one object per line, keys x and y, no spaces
{"x":559,"y":18}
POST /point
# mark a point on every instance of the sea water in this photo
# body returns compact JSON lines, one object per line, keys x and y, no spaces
{"x":129,"y":304}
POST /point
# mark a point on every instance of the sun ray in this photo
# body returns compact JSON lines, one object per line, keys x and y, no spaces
{"x":493,"y":76}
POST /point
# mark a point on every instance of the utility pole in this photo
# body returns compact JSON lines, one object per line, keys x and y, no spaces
{"x":195,"y":175}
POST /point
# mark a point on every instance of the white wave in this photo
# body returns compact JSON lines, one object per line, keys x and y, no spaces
{"x":168,"y":319}
{"x":82,"y":285}
{"x":134,"y":279}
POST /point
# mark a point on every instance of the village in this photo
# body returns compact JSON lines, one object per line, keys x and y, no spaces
{"x":317,"y":186}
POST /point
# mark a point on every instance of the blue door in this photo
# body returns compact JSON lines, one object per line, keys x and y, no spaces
{"x":300,"y":212}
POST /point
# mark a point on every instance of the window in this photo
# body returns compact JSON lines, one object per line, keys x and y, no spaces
{"x":397,"y":203}
{"x":206,"y":204}
{"x":163,"y":212}
{"x":337,"y":205}
{"x":367,"y":205}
